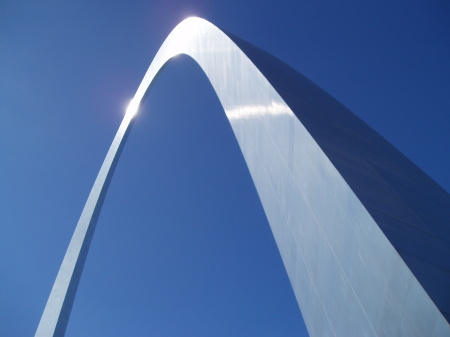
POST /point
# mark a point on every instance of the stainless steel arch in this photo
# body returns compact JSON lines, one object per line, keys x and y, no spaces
{"x":346,"y":275}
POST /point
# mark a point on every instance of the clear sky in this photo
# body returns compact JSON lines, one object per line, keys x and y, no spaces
{"x":182,"y":247}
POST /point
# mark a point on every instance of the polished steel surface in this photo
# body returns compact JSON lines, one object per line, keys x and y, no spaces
{"x":347,"y":277}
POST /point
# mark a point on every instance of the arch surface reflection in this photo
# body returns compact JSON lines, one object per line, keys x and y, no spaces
{"x":348,"y":278}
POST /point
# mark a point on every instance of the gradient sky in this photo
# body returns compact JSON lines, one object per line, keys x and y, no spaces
{"x":182,"y":247}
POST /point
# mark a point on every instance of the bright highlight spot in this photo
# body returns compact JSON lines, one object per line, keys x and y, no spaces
{"x":132,"y":108}
{"x":256,"y":111}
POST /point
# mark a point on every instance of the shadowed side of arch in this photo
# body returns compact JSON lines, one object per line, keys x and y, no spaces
{"x":346,"y":275}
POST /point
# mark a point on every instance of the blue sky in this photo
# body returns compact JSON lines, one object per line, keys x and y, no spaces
{"x":182,"y":247}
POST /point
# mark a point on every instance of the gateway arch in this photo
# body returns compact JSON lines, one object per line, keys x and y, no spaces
{"x":363,"y":233}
